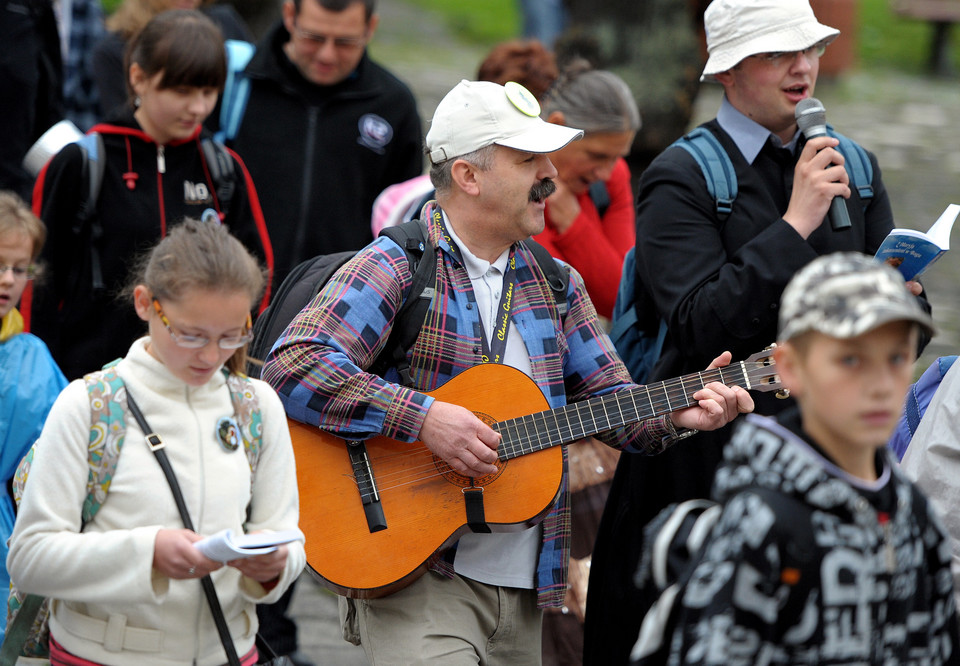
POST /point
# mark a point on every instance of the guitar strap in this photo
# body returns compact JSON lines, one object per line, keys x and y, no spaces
{"x":476,"y":517}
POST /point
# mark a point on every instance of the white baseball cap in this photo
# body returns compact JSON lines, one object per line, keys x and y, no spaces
{"x":737,"y":29}
{"x":479,"y":113}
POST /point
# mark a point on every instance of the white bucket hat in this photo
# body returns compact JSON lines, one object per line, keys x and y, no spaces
{"x":737,"y":29}
{"x":479,"y":113}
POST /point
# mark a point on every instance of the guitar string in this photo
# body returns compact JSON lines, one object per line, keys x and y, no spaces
{"x":525,"y":442}
{"x":676,"y":395}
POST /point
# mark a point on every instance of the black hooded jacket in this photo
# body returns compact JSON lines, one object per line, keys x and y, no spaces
{"x":848,"y":572}
{"x":320,"y":155}
{"x":146,"y":189}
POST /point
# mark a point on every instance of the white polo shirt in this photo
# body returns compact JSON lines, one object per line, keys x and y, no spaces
{"x":507,"y":559}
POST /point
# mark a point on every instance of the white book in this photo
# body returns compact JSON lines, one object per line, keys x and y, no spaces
{"x":225,"y":545}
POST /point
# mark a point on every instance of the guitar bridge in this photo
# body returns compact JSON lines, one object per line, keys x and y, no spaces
{"x":366,"y":485}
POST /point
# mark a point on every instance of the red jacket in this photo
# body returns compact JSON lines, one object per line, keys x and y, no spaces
{"x":595,"y":246}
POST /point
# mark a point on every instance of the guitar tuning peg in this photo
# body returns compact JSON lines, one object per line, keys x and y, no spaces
{"x":783,"y":394}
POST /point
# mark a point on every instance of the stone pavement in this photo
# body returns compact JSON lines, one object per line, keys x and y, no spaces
{"x":907,"y":121}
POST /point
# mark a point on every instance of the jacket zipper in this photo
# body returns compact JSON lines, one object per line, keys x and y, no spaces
{"x":303,"y":218}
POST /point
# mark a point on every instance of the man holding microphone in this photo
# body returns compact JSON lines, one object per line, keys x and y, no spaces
{"x":716,"y":276}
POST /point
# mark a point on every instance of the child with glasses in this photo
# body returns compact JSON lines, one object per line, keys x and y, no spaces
{"x":194,"y":290}
{"x":29,"y":378}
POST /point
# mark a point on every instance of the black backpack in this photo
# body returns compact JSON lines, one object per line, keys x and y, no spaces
{"x":675,"y":542}
{"x":306,"y":280}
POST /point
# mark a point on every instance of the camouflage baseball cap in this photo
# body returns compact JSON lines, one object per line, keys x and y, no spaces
{"x":844,"y":295}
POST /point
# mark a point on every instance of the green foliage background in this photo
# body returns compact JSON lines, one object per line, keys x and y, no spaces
{"x":885,"y":40}
{"x":889,"y":41}
{"x":484,"y":22}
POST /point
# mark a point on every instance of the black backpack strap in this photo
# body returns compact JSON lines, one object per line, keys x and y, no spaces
{"x":295,"y":292}
{"x":556,"y":276}
{"x":793,"y":520}
{"x":412,"y":237}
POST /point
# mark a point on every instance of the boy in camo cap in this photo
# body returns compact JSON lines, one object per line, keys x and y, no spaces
{"x":825,"y":553}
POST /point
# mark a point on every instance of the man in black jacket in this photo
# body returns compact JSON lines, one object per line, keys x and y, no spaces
{"x":716,"y":280}
{"x":31,"y":81}
{"x":325,"y":129}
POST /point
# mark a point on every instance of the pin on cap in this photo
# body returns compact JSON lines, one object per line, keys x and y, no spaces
{"x":522,"y":98}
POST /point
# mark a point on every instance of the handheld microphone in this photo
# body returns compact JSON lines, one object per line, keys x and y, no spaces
{"x":812,"y":121}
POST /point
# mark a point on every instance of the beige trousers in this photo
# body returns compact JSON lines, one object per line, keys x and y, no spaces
{"x":439,"y":620}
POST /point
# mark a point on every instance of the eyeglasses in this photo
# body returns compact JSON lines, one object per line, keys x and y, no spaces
{"x":20,"y":272}
{"x":198,"y":341}
{"x":316,"y":41}
{"x":777,"y":58}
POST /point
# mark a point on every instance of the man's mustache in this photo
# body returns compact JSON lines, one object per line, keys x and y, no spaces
{"x":542,"y":190}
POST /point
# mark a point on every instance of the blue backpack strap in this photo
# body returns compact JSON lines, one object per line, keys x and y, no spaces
{"x":858,"y":164}
{"x":236,"y":89}
{"x":625,"y":315}
{"x":637,"y":347}
{"x":600,"y":196}
{"x":93,"y":164}
{"x":716,"y":166}
{"x":922,"y":391}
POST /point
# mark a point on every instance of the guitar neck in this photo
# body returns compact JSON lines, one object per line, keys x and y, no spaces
{"x":535,"y":432}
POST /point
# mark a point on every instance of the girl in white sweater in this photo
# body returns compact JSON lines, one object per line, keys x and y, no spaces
{"x":126,"y":583}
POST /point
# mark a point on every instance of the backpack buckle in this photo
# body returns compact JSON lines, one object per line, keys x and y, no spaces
{"x":154,"y":441}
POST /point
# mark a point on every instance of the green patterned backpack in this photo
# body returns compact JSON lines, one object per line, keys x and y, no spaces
{"x":27,"y":614}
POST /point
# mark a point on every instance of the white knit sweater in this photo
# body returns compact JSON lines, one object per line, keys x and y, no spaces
{"x":106,"y":571}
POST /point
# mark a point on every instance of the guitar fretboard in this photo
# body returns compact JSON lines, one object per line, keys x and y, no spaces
{"x":569,"y":423}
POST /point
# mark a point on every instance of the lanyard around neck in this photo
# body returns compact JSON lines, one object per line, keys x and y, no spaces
{"x":494,"y":350}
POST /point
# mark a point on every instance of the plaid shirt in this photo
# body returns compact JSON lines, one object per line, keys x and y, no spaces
{"x":317,"y":366}
{"x":80,"y":96}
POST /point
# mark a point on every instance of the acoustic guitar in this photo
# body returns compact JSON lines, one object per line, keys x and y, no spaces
{"x":378,"y":512}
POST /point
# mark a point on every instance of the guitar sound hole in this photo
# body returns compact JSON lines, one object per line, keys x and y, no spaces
{"x":462,"y":481}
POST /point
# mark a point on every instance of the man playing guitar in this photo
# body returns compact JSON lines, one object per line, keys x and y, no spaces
{"x":480,"y":596}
